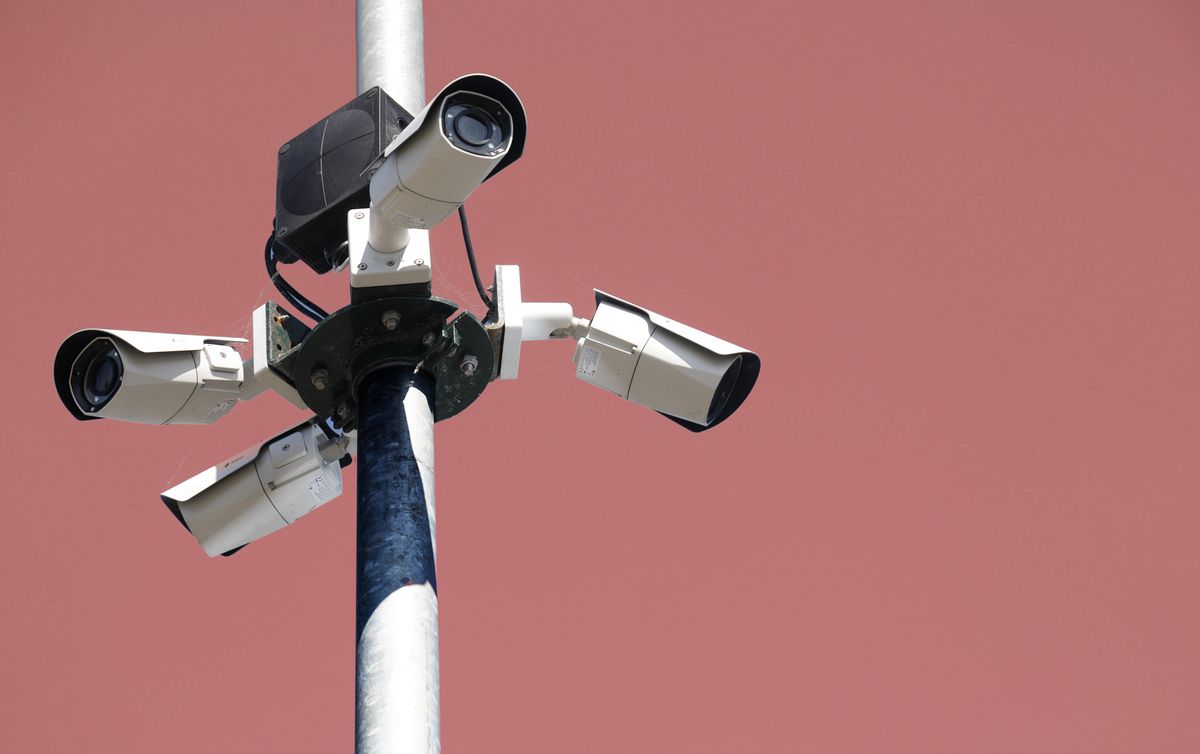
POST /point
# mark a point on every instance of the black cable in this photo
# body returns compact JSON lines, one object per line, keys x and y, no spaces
{"x":294,"y":297}
{"x":462,"y":219}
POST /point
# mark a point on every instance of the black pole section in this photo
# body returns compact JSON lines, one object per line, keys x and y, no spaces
{"x":395,"y":546}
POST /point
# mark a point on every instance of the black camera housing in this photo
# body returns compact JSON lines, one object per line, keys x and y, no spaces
{"x":325,"y":172}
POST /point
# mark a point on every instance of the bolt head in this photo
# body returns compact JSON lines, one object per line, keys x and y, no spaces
{"x":319,"y":379}
{"x":358,"y":215}
{"x":362,"y":265}
{"x":391,"y":319}
{"x":469,"y":365}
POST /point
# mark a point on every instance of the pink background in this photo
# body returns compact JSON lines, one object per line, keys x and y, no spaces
{"x":958,"y":514}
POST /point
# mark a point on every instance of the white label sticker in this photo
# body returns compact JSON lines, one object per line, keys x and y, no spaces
{"x":588,"y":362}
{"x":320,"y":489}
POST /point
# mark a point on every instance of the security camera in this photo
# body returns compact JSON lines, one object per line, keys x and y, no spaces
{"x":471,"y":130}
{"x":262,"y":489}
{"x":686,"y":375}
{"x":149,"y":377}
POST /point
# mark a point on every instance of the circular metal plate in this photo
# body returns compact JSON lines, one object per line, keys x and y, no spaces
{"x":352,"y":341}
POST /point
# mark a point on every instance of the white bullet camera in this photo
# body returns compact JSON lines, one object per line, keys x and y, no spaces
{"x":686,"y":375}
{"x":151,"y":378}
{"x":260,"y":490}
{"x":471,"y":130}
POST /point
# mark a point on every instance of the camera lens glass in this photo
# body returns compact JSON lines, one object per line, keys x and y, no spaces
{"x":96,"y":376}
{"x":473,"y":127}
{"x":102,"y":375}
{"x":476,"y":124}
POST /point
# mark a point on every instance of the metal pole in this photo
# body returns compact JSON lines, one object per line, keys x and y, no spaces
{"x":397,"y":679}
{"x":391,"y":50}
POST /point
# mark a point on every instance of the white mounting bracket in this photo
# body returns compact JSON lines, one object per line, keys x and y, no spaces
{"x":524,"y":321}
{"x":370,"y":268}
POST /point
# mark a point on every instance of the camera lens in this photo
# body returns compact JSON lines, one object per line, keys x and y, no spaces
{"x":472,"y":127}
{"x":476,"y":124}
{"x":97,"y":375}
{"x":102,"y":375}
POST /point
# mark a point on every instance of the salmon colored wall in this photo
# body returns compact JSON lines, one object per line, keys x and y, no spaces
{"x":958,"y":514}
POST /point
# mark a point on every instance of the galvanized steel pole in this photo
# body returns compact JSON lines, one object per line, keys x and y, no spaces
{"x":397,"y":680}
{"x":390,"y":40}
{"x":397,"y":677}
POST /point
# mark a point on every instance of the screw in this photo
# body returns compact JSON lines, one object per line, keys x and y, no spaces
{"x":362,"y":266}
{"x":358,"y":215}
{"x":391,"y":319}
{"x":320,"y":379}
{"x":285,"y":448}
{"x":391,"y":263}
{"x":418,"y":262}
{"x":469,"y":365}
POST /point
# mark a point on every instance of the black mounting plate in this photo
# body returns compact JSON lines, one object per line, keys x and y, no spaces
{"x":341,"y":350}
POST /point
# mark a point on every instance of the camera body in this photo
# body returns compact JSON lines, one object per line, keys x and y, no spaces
{"x":260,"y":490}
{"x":689,"y":376}
{"x":469,"y":131}
{"x":148,"y":377}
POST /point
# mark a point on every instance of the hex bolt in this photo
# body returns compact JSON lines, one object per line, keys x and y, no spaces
{"x":320,"y":379}
{"x":391,"y":319}
{"x":469,"y":365}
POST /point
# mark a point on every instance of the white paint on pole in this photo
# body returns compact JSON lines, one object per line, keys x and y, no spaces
{"x":398,"y":678}
{"x":420,"y":432}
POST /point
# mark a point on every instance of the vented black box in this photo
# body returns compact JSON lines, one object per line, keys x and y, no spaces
{"x":325,"y":172}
